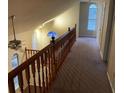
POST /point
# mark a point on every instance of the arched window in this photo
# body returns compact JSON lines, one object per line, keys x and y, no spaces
{"x":15,"y":63}
{"x":92,"y":17}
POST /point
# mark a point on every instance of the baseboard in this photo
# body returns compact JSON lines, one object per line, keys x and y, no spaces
{"x":110,"y":83}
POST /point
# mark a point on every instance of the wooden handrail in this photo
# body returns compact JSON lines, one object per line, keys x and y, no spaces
{"x":46,"y":61}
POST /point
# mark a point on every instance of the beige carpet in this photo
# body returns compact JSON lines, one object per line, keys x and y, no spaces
{"x":83,"y":71}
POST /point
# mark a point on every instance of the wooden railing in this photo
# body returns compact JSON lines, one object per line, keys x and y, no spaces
{"x":30,"y":52}
{"x":42,"y":67}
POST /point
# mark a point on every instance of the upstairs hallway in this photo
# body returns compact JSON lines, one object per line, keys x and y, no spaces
{"x":83,"y":70}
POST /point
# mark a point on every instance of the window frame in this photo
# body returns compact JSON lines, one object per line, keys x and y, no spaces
{"x":92,"y":19}
{"x":16,"y":77}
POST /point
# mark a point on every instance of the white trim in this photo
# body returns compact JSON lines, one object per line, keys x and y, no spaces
{"x":110,"y":83}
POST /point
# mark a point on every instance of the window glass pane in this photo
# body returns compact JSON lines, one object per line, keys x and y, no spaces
{"x":92,"y":13}
{"x":16,"y":82}
{"x":92,"y":17}
{"x":91,"y":25}
{"x":93,"y":6}
{"x":15,"y":63}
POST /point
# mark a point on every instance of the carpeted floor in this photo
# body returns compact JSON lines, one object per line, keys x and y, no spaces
{"x":83,"y":70}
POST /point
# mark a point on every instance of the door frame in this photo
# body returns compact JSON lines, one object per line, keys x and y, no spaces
{"x":109,"y":30}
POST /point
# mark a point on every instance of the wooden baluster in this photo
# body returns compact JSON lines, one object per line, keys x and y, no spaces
{"x":33,"y":72}
{"x":34,"y":52}
{"x":54,"y":59}
{"x":11,"y":85}
{"x":59,"y":56}
{"x":43,"y":82}
{"x":60,"y":53}
{"x":56,"y":56}
{"x":51,"y":62}
{"x":31,"y":53}
{"x":46,"y":72}
{"x":59,"y":59}
{"x":49,"y":65}
{"x":38,"y":69}
{"x":75,"y":32}
{"x":27,"y":71}
{"x":63,"y":50}
{"x":26,"y":53}
{"x":69,"y":39}
{"x":20,"y":78}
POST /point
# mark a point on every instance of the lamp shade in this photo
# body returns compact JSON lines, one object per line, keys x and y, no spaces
{"x":52,"y":34}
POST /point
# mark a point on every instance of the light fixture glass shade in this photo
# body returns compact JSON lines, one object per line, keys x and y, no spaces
{"x":52,"y":34}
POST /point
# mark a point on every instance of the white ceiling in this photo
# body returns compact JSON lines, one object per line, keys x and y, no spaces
{"x":32,"y":13}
